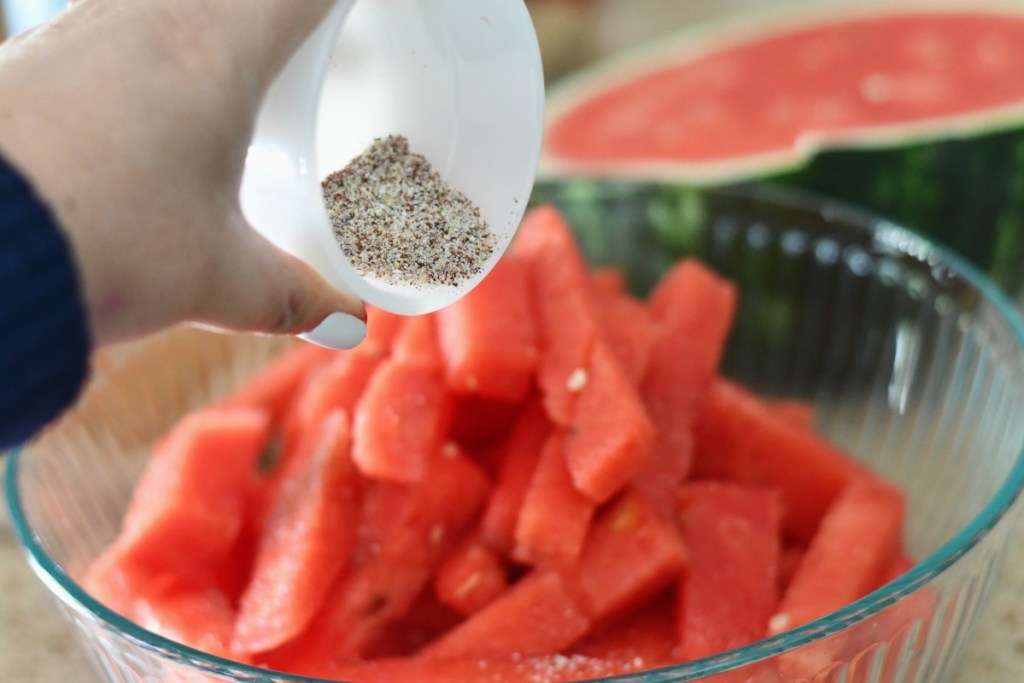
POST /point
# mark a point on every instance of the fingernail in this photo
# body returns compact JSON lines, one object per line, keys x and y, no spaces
{"x":337,"y":331}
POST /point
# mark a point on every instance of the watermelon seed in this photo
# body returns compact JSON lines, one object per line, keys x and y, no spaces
{"x":271,"y":455}
{"x":778,"y":623}
{"x":577,"y":380}
{"x":469,"y":584}
{"x":376,"y":605}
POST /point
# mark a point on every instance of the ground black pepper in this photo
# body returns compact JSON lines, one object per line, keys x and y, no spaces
{"x":397,"y":220}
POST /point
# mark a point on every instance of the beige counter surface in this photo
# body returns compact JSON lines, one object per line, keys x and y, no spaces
{"x":35,"y":647}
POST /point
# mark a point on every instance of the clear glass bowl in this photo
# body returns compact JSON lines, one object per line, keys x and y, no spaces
{"x":913,"y":360}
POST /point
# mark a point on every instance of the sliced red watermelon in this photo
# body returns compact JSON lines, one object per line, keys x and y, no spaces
{"x":489,"y":337}
{"x":338,"y":383}
{"x":850,"y":554}
{"x":307,"y":541}
{"x":607,"y":280}
{"x":235,"y":571}
{"x":537,"y":616}
{"x":401,"y":552}
{"x":193,"y":494}
{"x":566,"y":325}
{"x":427,"y":619}
{"x":416,"y":343}
{"x":730,"y":587}
{"x":480,"y":424}
{"x":400,"y":421}
{"x":611,"y":436}
{"x":627,"y":329}
{"x":796,"y":413}
{"x":739,"y":438}
{"x":117,"y":585}
{"x":200,"y":617}
{"x":381,"y":328}
{"x":857,"y":543}
{"x":694,"y":309}
{"x":404,"y":531}
{"x":273,"y":388}
{"x":789,"y":560}
{"x":554,"y":516}
{"x":541,"y":669}
{"x":645,"y":637}
{"x":105,"y":581}
{"x":521,"y":453}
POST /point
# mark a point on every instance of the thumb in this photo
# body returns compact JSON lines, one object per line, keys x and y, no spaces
{"x":259,"y":288}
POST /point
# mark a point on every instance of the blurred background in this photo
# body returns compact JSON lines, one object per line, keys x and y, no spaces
{"x":20,"y":15}
{"x":571,"y":31}
{"x":575,"y":32}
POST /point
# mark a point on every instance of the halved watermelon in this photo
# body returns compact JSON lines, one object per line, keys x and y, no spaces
{"x":914,"y":112}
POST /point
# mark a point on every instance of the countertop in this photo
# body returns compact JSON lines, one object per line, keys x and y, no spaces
{"x":35,"y":647}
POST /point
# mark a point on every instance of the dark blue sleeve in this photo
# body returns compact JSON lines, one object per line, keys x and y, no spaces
{"x":44,"y":337}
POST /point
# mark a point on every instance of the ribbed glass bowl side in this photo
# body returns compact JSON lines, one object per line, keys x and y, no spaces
{"x":914,"y":364}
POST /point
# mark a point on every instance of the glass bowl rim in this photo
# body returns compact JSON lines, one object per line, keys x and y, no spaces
{"x":906,"y":241}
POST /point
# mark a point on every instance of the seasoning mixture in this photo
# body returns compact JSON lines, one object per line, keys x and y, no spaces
{"x":396,"y":219}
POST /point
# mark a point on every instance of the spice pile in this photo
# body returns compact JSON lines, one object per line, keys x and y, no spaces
{"x":397,"y":220}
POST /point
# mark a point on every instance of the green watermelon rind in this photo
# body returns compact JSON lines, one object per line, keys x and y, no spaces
{"x":713,"y":36}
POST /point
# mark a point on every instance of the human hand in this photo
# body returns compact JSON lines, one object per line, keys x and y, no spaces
{"x":132,"y":119}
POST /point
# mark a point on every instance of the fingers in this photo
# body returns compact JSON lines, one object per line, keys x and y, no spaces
{"x":257,"y":287}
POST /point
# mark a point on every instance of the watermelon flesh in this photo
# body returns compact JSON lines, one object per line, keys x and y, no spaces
{"x":308,"y":538}
{"x":643,"y":636}
{"x":546,"y":668}
{"x":729,"y":590}
{"x":825,"y":89}
{"x":193,"y":494}
{"x":540,"y":599}
{"x":914,"y":113}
